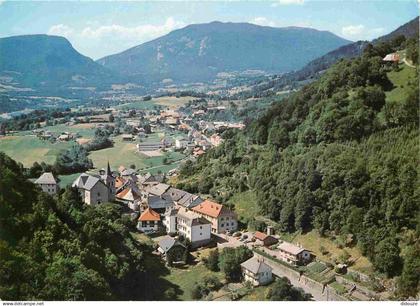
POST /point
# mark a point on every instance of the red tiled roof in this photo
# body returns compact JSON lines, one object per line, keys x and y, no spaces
{"x":119,"y":182}
{"x":210,"y":208}
{"x":121,"y":194}
{"x":149,"y":215}
{"x":260,"y":236}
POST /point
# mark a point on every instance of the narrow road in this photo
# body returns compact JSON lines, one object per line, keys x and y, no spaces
{"x":317,"y":295}
{"x":230,"y":241}
{"x":407,"y":63}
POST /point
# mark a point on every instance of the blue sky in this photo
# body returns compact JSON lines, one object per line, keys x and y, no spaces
{"x":98,"y":28}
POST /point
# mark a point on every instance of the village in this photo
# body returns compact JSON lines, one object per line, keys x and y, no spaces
{"x":180,"y":224}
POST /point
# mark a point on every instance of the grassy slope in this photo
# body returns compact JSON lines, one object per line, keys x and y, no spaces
{"x":124,"y":153}
{"x":245,"y":205}
{"x":166,"y":102}
{"x":185,"y":278}
{"x":400,"y":79}
{"x":67,"y":179}
{"x":29,"y":149}
{"x":85,"y":130}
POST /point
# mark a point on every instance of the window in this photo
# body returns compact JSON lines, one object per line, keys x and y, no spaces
{"x":201,"y":227}
{"x":233,"y":223}
{"x":222,"y":225}
{"x":221,"y":219}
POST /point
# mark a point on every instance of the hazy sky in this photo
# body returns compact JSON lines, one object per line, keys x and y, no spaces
{"x":98,"y":28}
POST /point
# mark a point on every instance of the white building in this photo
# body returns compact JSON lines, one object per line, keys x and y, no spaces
{"x":256,"y":271}
{"x":48,"y":183}
{"x":148,"y":221}
{"x":92,"y":189}
{"x":188,"y":224}
{"x":181,"y":143}
{"x":293,"y":254}
{"x":222,"y":218}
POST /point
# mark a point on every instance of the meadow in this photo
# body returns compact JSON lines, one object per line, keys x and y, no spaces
{"x":171,"y":102}
{"x":28,"y":149}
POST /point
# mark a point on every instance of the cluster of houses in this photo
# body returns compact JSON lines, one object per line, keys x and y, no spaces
{"x":47,"y":135}
{"x":160,"y":206}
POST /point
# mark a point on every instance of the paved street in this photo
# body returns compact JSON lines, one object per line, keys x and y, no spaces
{"x":229,"y":241}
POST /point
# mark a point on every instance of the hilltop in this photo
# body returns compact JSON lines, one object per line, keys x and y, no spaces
{"x":48,"y":63}
{"x":199,"y":52}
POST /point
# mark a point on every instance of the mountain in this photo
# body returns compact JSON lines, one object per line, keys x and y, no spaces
{"x":199,"y":52}
{"x":48,"y":63}
{"x":409,"y":30}
{"x":324,"y":160}
{"x":315,"y":67}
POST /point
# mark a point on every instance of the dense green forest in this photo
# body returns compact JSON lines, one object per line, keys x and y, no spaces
{"x":339,"y":156}
{"x":60,"y":249}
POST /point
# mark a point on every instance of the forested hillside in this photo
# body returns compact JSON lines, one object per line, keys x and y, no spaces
{"x":340,"y":156}
{"x":64,"y":250}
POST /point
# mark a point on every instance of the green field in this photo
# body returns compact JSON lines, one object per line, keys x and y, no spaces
{"x":185,"y":278}
{"x":245,"y":205}
{"x":165,"y":102}
{"x":29,"y":149}
{"x":400,"y":79}
{"x":66,"y":180}
{"x":125,"y":153}
{"x":312,"y":241}
{"x":85,"y":130}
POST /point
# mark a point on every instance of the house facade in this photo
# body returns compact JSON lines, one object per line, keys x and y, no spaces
{"x":148,"y":221}
{"x":48,"y":183}
{"x":264,"y":239}
{"x":172,"y":250}
{"x":293,"y":254}
{"x":256,"y":271}
{"x":194,"y":227}
{"x":92,"y":189}
{"x":222,"y":219}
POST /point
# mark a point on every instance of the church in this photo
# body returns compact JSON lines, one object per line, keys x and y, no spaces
{"x":96,"y":189}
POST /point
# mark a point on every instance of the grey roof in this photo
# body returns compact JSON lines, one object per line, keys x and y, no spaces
{"x":190,"y":200}
{"x":157,"y":202}
{"x":256,"y":265}
{"x":191,"y":218}
{"x":128,"y":172}
{"x":158,"y":189}
{"x":290,"y":248}
{"x":86,"y":181}
{"x":46,"y":178}
{"x":167,"y":243}
{"x":148,"y":178}
{"x":175,"y":194}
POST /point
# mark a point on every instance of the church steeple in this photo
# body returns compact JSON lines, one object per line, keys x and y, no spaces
{"x":109,"y":180}
{"x":108,"y":170}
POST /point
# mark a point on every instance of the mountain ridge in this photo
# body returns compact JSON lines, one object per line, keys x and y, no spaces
{"x":198,"y":52}
{"x":49,"y":62}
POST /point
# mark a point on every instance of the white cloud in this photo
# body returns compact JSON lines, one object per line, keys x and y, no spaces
{"x":353,"y":30}
{"x":139,"y":33}
{"x":361,"y":32}
{"x":61,"y":30}
{"x":114,"y":37}
{"x":2,"y":1}
{"x":287,"y":2}
{"x":262,"y":21}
